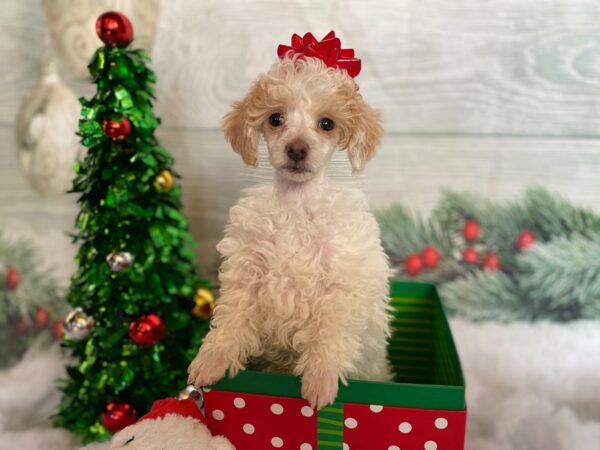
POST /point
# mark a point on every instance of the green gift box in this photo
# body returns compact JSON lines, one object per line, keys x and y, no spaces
{"x":423,"y":408}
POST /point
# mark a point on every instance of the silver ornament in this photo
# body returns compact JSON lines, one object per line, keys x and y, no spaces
{"x":190,"y":392}
{"x":119,"y":261}
{"x":78,"y":325}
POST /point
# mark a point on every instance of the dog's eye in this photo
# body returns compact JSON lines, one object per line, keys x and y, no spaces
{"x":276,"y":120}
{"x":128,"y":441}
{"x":326,"y":124}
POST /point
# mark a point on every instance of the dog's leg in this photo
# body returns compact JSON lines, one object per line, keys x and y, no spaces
{"x":230,"y":342}
{"x":332,"y":347}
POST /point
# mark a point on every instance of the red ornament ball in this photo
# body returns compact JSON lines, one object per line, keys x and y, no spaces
{"x":491,"y":262}
{"x":117,"y":416}
{"x":470,"y":256}
{"x":41,"y":317}
{"x":471,"y":230}
{"x":117,"y":130}
{"x":12,"y":278}
{"x":58,"y":330}
{"x":114,"y":29}
{"x":413,"y":264}
{"x":525,"y":239}
{"x":430,"y":257}
{"x":146,"y":329}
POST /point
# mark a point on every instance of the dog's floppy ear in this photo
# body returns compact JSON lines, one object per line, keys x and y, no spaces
{"x":364,"y":134}
{"x":241,"y":134}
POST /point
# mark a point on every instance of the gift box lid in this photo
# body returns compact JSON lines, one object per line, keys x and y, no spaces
{"x":421,"y":351}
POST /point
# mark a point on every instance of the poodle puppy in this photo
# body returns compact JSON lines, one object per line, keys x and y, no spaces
{"x":304,"y":279}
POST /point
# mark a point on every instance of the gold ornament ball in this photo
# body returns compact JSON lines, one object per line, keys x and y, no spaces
{"x":205,"y":303}
{"x":164,"y":181}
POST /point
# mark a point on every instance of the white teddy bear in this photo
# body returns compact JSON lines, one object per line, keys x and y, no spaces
{"x":171,"y":424}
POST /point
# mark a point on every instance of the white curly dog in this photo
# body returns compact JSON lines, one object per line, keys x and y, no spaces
{"x":304,"y":279}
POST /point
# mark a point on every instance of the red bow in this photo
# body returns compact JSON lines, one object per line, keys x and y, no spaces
{"x":329,"y":50}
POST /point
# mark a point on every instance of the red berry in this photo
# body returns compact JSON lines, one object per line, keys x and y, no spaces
{"x":114,"y":29}
{"x":117,"y":130}
{"x":471,"y":230}
{"x":41,"y":317}
{"x":525,"y":239}
{"x":12,"y":278}
{"x":491,"y":262}
{"x":430,"y":256}
{"x":413,"y":264}
{"x":470,"y":256}
{"x":58,"y":330}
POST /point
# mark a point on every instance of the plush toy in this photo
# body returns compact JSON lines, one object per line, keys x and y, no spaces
{"x":170,"y":424}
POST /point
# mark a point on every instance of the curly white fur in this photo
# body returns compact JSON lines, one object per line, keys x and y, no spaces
{"x":304,"y":281}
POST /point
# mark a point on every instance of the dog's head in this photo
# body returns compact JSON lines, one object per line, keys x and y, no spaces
{"x":305,"y":111}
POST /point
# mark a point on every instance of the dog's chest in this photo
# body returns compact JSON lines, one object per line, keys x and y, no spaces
{"x":296,"y":244}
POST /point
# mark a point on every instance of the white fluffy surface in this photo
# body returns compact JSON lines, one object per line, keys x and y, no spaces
{"x":529,"y":387}
{"x":28,"y":398}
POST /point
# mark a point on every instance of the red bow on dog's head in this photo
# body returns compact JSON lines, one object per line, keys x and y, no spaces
{"x":329,"y":50}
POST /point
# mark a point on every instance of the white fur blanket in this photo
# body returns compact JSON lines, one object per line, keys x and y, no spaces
{"x":529,"y":387}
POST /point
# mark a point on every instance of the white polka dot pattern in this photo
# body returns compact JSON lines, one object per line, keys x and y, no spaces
{"x":277,"y":409}
{"x":351,"y":423}
{"x":306,"y":446}
{"x":441,"y":423}
{"x":239,"y":402}
{"x":248,"y":428}
{"x":307,"y":411}
{"x":430,"y":445}
{"x":277,"y":442}
{"x":376,"y":408}
{"x":218,"y":414}
{"x":405,"y":427}
{"x":393,"y":447}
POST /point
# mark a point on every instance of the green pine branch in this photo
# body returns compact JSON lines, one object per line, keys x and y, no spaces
{"x":562,"y":277}
{"x":36,"y":289}
{"x":485,"y":296}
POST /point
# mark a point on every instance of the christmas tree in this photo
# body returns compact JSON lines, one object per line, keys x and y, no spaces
{"x":30,"y":301}
{"x":515,"y":260}
{"x":140,"y":308}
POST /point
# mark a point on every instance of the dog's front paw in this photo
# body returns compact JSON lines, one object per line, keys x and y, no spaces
{"x":320,"y":389}
{"x":206,"y":369}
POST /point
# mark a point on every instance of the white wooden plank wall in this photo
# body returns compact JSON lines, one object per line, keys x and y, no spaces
{"x":489,"y":96}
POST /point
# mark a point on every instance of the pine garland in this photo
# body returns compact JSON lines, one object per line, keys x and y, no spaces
{"x":537,"y":258}
{"x":29,"y":304}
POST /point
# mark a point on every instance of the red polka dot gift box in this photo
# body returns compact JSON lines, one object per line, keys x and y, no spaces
{"x":423,"y":409}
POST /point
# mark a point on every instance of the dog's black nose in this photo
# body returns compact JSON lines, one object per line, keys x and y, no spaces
{"x":297,"y":150}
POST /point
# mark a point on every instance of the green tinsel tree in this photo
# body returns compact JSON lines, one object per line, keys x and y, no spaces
{"x":137,"y":283}
{"x":31,"y":302}
{"x":537,"y":258}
